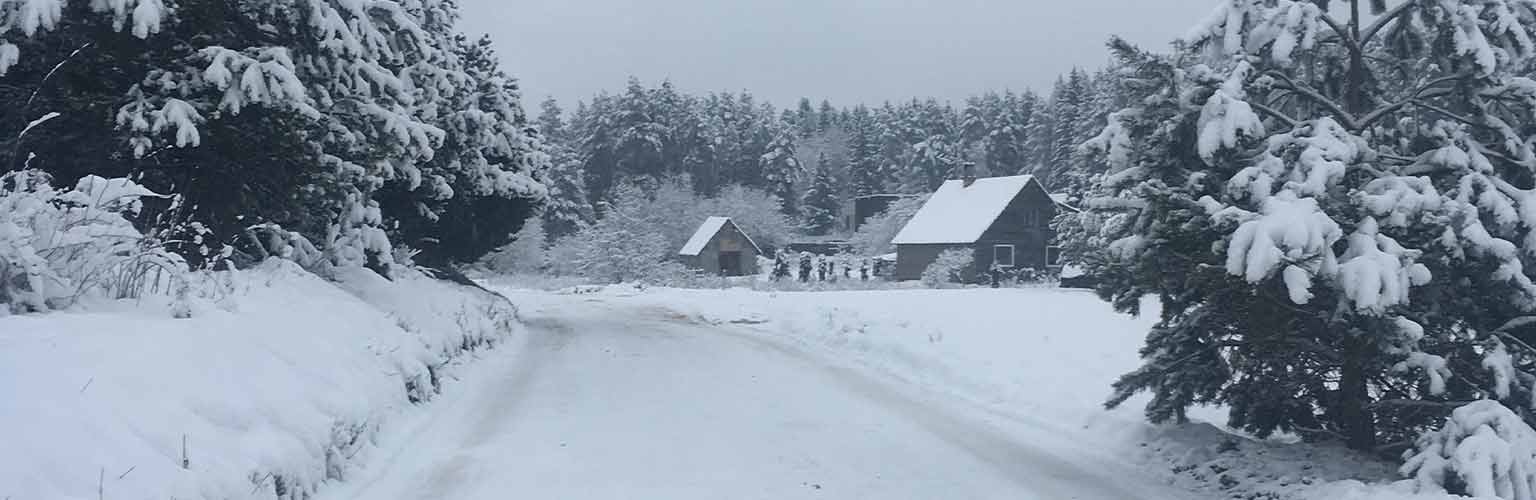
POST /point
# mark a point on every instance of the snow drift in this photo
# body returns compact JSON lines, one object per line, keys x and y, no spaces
{"x":268,"y":391}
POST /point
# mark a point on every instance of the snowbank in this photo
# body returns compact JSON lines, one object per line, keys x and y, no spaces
{"x":1042,"y":355}
{"x":270,"y":390}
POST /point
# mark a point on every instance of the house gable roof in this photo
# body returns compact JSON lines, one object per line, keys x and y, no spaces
{"x":707,"y":231}
{"x":957,"y":213}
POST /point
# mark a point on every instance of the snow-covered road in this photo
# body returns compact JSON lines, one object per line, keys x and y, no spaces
{"x":611,"y":400}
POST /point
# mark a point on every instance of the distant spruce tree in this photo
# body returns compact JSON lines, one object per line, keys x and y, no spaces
{"x":818,"y":208}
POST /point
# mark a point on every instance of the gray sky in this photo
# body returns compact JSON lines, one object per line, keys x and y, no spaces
{"x":848,"y":51}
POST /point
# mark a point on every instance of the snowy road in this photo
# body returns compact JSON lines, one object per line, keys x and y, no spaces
{"x":611,"y":401}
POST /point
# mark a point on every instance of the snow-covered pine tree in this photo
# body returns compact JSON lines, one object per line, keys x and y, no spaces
{"x":567,"y":209}
{"x":551,"y":123}
{"x":827,"y":117}
{"x":803,"y":118}
{"x":864,"y":160}
{"x":488,"y":173}
{"x":780,"y":169}
{"x":1334,"y":213}
{"x":818,"y":208}
{"x":367,"y":82}
{"x":1070,"y":101}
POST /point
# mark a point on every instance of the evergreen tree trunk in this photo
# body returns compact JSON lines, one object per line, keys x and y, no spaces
{"x":1354,"y":91}
{"x":1356,"y":419}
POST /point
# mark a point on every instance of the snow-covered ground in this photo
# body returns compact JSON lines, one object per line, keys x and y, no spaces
{"x":615,"y":392}
{"x":621,"y":398}
{"x":1038,"y":360}
{"x":274,"y":384}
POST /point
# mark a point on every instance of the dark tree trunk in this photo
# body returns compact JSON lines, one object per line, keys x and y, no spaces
{"x":1355,"y":417}
{"x":1354,"y":84}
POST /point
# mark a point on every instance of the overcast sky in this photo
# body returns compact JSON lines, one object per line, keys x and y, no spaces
{"x":847,"y":51}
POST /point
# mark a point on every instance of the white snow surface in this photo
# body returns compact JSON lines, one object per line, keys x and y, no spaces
{"x":701,"y":237}
{"x":693,"y":387}
{"x":621,"y":394}
{"x":957,"y":213}
{"x":284,"y":376}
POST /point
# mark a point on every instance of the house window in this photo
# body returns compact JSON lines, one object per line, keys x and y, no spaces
{"x":1052,"y":255}
{"x":1002,"y":255}
{"x":1031,"y":219}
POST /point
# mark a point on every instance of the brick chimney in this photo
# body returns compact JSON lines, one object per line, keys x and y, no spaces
{"x":967,"y":173}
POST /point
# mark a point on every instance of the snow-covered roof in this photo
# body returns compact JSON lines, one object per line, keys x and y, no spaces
{"x":707,"y":230}
{"x":957,"y":213}
{"x":1061,"y":201}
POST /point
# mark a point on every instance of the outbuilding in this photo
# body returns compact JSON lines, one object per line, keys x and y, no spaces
{"x":720,"y":247}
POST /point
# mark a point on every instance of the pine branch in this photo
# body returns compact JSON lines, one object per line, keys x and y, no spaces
{"x":1381,"y":22}
{"x":1317,"y":97}
{"x":1419,"y":93}
{"x":1346,"y":38}
{"x":1275,"y":113}
{"x":1447,"y":113}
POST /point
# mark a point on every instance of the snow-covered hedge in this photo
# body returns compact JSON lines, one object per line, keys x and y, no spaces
{"x":267,"y":395}
{"x":949,"y":268}
{"x":1484,"y":450}
{"x":59,"y":245}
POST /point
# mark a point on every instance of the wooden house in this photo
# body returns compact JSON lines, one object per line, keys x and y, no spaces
{"x":720,"y":247}
{"x":1006,"y":220}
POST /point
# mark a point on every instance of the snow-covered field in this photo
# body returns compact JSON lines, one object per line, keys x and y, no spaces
{"x":271,"y":387}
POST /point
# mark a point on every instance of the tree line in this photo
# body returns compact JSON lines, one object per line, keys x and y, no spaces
{"x":815,"y":158}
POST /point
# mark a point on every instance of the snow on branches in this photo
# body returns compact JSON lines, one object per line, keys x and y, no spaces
{"x":1362,"y":166}
{"x":1483,"y":450}
{"x":31,"y":16}
{"x":1251,"y":26}
{"x":59,"y":245}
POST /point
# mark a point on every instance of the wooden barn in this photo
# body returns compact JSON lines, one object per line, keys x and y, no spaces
{"x":720,"y":247}
{"x":1006,"y":220}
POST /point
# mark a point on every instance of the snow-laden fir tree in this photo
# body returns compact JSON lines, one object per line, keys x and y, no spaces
{"x":864,"y":162}
{"x":780,"y":169}
{"x":818,"y":208}
{"x":567,"y":209}
{"x":1334,"y":207}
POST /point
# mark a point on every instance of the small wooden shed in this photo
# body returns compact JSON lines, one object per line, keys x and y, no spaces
{"x":720,"y":247}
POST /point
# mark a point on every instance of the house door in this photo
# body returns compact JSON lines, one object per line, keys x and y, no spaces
{"x":730,"y":263}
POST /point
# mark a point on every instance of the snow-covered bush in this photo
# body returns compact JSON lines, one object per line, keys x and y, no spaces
{"x":950,"y":267}
{"x":616,"y":251}
{"x":57,"y":246}
{"x":271,"y":240}
{"x":753,"y":210}
{"x":875,"y":235}
{"x":1484,"y":450}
